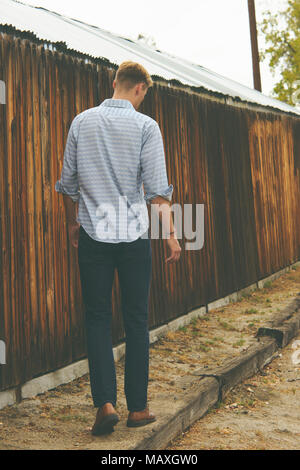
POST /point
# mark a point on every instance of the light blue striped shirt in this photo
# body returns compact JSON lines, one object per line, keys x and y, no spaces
{"x":112,"y":151}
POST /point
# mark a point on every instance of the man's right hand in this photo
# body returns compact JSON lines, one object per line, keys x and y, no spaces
{"x":175,"y":250}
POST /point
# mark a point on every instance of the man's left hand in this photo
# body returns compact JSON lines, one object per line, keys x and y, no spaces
{"x":73,"y":230}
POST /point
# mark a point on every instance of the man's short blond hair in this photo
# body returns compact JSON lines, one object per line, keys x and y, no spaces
{"x":130,"y":74}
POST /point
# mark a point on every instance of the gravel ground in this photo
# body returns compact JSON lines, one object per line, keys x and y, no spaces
{"x":62,"y":418}
{"x":260,"y":414}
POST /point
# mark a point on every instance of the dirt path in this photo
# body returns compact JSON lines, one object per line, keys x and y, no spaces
{"x":62,"y":418}
{"x":261,"y":414}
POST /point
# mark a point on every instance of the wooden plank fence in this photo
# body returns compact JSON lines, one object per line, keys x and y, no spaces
{"x":240,"y":161}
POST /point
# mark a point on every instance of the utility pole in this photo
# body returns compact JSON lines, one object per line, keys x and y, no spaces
{"x":254,"y":45}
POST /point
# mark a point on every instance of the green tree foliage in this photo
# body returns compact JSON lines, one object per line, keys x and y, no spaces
{"x":282,"y":34}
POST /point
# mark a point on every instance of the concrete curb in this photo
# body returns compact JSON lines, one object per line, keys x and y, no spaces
{"x":218,"y":382}
{"x":282,"y":333}
{"x":284,"y":326}
{"x":234,"y":371}
{"x":171,"y":426}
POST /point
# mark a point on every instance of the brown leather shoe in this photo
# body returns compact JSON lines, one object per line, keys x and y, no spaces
{"x":140,"y":418}
{"x":106,"y":419}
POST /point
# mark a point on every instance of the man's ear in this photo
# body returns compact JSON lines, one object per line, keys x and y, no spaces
{"x":137,"y":89}
{"x":142,"y":87}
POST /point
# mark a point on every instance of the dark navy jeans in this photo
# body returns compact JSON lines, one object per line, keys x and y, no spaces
{"x":97,"y":263}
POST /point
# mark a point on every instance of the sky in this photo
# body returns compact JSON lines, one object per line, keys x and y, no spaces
{"x":211,"y":33}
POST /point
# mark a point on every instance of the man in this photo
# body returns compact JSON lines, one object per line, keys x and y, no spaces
{"x":111,"y":151}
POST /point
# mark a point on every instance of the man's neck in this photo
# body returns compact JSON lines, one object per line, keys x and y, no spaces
{"x":124,"y":97}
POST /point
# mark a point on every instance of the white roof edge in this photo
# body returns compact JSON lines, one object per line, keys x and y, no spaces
{"x":99,"y":43}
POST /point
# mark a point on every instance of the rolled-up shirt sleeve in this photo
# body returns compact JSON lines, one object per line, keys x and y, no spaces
{"x":153,"y":165}
{"x":68,"y":183}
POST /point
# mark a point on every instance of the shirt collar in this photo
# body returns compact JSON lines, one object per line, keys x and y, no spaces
{"x":112,"y":102}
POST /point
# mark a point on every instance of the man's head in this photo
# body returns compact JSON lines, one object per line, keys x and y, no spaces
{"x":131,"y":82}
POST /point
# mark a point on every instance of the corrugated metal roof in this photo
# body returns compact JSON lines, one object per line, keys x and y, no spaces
{"x":99,"y":43}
